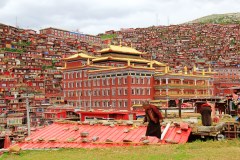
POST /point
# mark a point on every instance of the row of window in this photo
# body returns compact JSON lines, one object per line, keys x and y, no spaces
{"x":9,"y":85}
{"x":106,"y":82}
{"x":72,"y":75}
{"x":105,"y":104}
{"x":108,"y":92}
{"x":79,"y":74}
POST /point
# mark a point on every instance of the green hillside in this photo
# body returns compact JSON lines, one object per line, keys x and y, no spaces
{"x":229,"y":18}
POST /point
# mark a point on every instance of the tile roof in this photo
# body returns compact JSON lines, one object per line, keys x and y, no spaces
{"x":68,"y":135}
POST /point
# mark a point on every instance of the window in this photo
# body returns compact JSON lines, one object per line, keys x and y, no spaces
{"x":148,"y":91}
{"x":125,"y":91}
{"x":119,"y":104}
{"x":113,"y":81}
{"x":137,"y":91}
{"x":119,"y":81}
{"x":107,"y":82}
{"x":133,"y":91}
{"x":85,"y":73}
{"x":89,"y":83}
{"x":98,"y":82}
{"x":133,"y":80}
{"x":119,"y":91}
{"x":114,"y":104}
{"x":103,"y":82}
{"x":113,"y":92}
{"x":148,"y":81}
{"x":68,"y":95}
{"x":142,"y":81}
{"x":108,"y":92}
{"x":138,"y":80}
{"x":125,"y":104}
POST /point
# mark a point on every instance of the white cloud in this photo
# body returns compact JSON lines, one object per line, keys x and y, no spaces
{"x":97,"y":16}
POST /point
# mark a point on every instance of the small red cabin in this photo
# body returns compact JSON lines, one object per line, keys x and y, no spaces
{"x":111,"y":115}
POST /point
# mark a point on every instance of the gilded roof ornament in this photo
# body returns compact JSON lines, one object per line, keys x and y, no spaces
{"x":194,"y":68}
{"x":203,"y":72}
{"x":185,"y":69}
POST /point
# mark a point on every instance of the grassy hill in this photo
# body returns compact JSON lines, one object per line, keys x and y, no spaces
{"x":211,"y":150}
{"x":228,"y":18}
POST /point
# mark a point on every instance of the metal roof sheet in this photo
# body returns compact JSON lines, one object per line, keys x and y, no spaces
{"x":58,"y":134}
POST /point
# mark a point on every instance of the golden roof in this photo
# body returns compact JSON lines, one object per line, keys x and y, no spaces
{"x":121,"y":59}
{"x":79,"y":55}
{"x":121,"y":49}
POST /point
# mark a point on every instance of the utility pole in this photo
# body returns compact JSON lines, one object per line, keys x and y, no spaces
{"x":28,"y":117}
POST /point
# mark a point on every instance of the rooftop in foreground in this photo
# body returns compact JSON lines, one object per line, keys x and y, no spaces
{"x":69,"y":135}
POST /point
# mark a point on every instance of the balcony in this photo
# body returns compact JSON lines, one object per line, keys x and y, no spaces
{"x":183,"y":86}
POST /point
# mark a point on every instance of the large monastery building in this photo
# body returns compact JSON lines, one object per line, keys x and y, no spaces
{"x":119,"y":78}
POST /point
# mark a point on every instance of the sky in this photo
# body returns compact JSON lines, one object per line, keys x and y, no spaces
{"x":98,"y":16}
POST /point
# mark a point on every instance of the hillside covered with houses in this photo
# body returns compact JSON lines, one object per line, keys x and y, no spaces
{"x":31,"y":62}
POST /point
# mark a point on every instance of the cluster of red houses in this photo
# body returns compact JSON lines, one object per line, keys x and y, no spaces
{"x":30,"y":69}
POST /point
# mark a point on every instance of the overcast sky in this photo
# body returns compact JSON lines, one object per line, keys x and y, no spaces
{"x":98,"y":16}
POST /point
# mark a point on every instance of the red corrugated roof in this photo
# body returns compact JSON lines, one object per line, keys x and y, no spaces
{"x":61,"y":132}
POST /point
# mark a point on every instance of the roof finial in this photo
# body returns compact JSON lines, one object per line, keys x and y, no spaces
{"x":166,"y":69}
{"x":194,"y":68}
{"x":209,"y":68}
{"x":203,"y":72}
{"x":128,"y":62}
{"x":185,"y":69}
{"x":120,"y":43}
{"x":151,"y":64}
